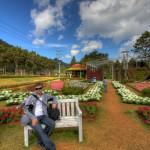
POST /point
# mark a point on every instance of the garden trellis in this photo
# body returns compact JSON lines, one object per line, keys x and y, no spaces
{"x":94,"y":64}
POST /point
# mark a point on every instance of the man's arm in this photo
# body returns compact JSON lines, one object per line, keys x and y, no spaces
{"x":54,"y":100}
{"x":29,"y":107}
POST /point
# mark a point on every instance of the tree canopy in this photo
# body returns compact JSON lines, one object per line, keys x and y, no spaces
{"x":93,"y":56}
{"x":14,"y":58}
{"x":142,"y":46}
{"x":73,"y":61}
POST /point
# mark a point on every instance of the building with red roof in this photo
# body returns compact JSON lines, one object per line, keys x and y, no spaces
{"x":77,"y":70}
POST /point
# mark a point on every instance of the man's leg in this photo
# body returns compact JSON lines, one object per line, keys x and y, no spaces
{"x":105,"y":86}
{"x":42,"y":136}
{"x":50,"y":124}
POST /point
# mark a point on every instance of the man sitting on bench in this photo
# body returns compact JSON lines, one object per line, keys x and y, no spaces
{"x":35,"y":114}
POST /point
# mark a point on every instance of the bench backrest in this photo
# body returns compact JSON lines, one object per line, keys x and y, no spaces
{"x":68,"y":107}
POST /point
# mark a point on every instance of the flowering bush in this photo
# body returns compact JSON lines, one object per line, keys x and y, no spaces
{"x":9,"y":114}
{"x":139,"y":86}
{"x":90,"y":108}
{"x":57,"y":85}
{"x":145,"y":111}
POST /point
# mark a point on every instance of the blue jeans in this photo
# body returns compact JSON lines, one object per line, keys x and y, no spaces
{"x":105,"y":86}
{"x":43,"y":135}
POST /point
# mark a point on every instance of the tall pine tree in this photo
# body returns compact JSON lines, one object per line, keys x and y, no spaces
{"x":73,"y":61}
{"x":142,"y":46}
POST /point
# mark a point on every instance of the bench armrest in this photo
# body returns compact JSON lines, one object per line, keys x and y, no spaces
{"x":79,"y":112}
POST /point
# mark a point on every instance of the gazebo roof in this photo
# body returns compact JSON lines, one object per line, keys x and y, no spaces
{"x":77,"y":67}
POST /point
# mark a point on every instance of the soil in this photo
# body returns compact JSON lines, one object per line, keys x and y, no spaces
{"x":115,"y":129}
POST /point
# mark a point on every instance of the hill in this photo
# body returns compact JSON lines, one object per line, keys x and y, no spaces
{"x":61,"y":63}
{"x":5,"y":43}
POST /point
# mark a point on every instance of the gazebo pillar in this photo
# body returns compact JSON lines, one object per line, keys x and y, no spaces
{"x":80,"y":74}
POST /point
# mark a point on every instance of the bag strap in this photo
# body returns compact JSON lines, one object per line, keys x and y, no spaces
{"x":39,"y":100}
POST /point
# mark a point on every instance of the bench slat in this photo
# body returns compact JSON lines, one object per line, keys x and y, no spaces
{"x":68,"y":109}
{"x":72,"y":108}
{"x":63,"y":109}
{"x":59,"y":106}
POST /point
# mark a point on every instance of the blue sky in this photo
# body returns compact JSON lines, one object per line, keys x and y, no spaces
{"x":75,"y":27}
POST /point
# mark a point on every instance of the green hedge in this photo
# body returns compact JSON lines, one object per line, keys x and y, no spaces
{"x":140,"y":75}
{"x":124,"y":81}
{"x":146,"y":92}
{"x":72,"y":90}
{"x":19,"y":76}
{"x":87,"y":81}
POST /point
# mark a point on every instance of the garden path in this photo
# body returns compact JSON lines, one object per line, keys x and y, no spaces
{"x":117,"y":128}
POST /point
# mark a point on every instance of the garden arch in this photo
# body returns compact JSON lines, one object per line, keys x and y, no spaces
{"x":93,"y":68}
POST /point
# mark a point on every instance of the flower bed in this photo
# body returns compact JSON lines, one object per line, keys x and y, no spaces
{"x":57,"y":85}
{"x":128,"y":96}
{"x":144,"y":114}
{"x":94,"y":94}
{"x":88,"y":110}
{"x":139,"y":86}
{"x":17,"y":98}
{"x":79,"y":84}
{"x":10,"y":114}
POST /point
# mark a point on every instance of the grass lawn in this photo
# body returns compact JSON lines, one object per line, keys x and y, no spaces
{"x":16,"y":80}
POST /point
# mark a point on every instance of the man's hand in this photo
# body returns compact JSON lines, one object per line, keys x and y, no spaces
{"x":34,"y":121}
{"x":54,"y":106}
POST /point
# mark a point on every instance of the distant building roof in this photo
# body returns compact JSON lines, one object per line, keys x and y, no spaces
{"x":77,"y":67}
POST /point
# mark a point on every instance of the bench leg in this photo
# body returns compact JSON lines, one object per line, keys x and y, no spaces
{"x":26,"y":137}
{"x":80,"y":130}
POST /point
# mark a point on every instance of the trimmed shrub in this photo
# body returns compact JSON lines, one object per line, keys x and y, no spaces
{"x":146,"y":92}
{"x":87,"y":81}
{"x":140,"y":75}
{"x":124,"y":81}
{"x":72,"y":90}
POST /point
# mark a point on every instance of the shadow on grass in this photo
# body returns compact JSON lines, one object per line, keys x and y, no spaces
{"x":133,"y":114}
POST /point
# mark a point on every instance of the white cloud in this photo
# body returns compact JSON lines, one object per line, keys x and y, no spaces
{"x":43,"y":20}
{"x":48,"y":19}
{"x":74,"y":52}
{"x":92,"y":45}
{"x":127,"y":46}
{"x":55,"y":45}
{"x":42,"y":3}
{"x":37,"y":41}
{"x":75,"y":46}
{"x":60,"y":37}
{"x":117,"y":19}
{"x":67,"y":56}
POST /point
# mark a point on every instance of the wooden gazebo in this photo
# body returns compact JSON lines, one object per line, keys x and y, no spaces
{"x":76,"y":70}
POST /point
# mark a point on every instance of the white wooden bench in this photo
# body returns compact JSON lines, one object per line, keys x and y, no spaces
{"x":71,"y":116}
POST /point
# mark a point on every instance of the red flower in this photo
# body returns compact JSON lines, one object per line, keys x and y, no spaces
{"x":144,"y":111}
{"x":147,"y":108}
{"x":146,"y":122}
